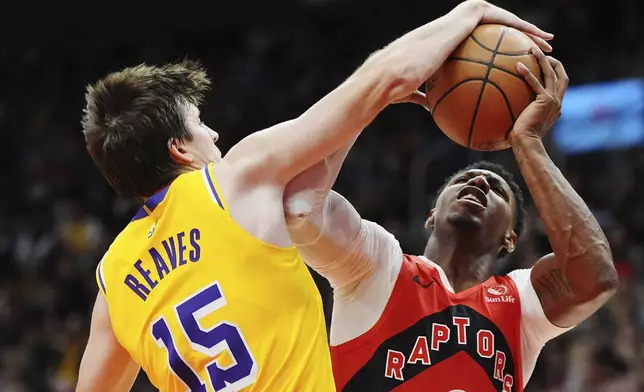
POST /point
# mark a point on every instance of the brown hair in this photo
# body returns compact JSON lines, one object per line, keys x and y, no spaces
{"x":131,"y":115}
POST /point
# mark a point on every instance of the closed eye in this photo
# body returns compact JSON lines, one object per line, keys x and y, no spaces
{"x":499,"y":191}
{"x":461,"y":180}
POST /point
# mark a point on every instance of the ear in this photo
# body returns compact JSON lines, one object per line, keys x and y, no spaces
{"x":510,"y":241}
{"x":430,"y":218}
{"x":179,"y":152}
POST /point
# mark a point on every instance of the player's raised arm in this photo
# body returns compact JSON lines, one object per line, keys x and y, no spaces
{"x":389,"y":75}
{"x":106,"y":366}
{"x":580,"y":276}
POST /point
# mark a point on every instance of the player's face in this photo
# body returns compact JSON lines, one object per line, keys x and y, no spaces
{"x":477,"y":199}
{"x":202,"y":147}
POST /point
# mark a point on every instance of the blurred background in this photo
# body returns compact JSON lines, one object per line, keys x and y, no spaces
{"x":269,"y":62}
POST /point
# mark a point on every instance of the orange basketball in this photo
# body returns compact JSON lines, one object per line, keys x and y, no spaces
{"x":476,"y":96}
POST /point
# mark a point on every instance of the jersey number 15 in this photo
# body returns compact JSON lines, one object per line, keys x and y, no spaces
{"x":211,"y":342}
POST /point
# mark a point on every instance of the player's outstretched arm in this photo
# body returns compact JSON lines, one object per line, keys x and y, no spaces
{"x":580,"y":276}
{"x":390,"y":75}
{"x":106,"y":365}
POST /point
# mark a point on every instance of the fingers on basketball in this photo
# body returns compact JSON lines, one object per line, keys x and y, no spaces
{"x":478,"y":94}
{"x":562,"y":77}
{"x":541,"y":43}
{"x":549,"y":75}
{"x":532,"y":80}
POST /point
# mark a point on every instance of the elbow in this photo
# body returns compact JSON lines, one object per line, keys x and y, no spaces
{"x":609,"y":284}
{"x":607,"y":280}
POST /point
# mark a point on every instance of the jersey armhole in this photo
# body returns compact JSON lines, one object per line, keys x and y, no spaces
{"x":213,"y":187}
{"x":100,"y":277}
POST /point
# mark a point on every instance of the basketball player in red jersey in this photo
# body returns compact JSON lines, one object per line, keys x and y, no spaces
{"x":441,"y":321}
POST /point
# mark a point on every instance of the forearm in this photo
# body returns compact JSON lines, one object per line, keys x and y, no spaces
{"x":428,"y":46}
{"x":581,"y":250}
{"x":390,"y":74}
{"x":280,"y":153}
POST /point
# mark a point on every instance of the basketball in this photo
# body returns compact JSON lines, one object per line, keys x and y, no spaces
{"x":477,"y":95}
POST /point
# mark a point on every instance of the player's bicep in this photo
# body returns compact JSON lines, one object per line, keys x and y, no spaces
{"x":559,"y":302}
{"x":537,"y":327}
{"x":105,"y":365}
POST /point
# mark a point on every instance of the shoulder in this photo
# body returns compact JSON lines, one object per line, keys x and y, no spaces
{"x":109,"y":267}
{"x":127,"y":243}
{"x":235,"y":176}
{"x":530,"y":304}
{"x":521,"y":278}
{"x":357,"y":308}
{"x":374,"y":258}
{"x":381,"y":237}
{"x":382,"y":248}
{"x":255,"y":153}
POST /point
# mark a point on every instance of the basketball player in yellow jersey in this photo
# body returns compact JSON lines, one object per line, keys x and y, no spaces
{"x":203,"y":289}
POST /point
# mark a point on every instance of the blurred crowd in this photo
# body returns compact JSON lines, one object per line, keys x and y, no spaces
{"x":58,"y":216}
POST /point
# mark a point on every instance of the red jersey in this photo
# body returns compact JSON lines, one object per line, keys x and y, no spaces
{"x":431,"y":339}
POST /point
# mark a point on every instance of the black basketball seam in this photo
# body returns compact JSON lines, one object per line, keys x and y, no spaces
{"x":479,"y":43}
{"x":507,"y":103}
{"x":514,"y":54}
{"x":442,"y":97}
{"x":484,"y":63}
{"x":485,"y":81}
{"x":510,"y":54}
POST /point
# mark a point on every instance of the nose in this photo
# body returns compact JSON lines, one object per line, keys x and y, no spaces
{"x":481,"y":183}
{"x":215,"y":135}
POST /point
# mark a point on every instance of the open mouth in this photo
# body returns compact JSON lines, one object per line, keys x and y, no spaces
{"x":472,"y":194}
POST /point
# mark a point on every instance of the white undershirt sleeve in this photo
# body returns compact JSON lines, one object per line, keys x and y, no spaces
{"x":536,"y":329}
{"x":359,"y":258}
{"x":377,"y":258}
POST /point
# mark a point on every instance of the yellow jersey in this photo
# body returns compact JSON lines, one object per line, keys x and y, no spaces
{"x":202,"y":305}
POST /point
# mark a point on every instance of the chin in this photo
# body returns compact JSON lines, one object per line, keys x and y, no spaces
{"x":465,"y":221}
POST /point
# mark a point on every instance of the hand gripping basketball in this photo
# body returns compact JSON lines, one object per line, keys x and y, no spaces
{"x":537,"y":119}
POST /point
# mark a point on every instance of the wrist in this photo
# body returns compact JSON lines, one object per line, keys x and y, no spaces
{"x":522,"y":137}
{"x":527,"y":142}
{"x":470,"y":12}
{"x":474,"y":9}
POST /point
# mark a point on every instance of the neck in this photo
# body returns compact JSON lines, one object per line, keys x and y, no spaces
{"x":465,"y":261}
